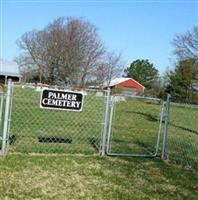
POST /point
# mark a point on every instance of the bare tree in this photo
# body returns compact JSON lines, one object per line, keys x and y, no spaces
{"x":88,"y":49}
{"x":65,"y":49}
{"x":110,"y":67}
{"x":29,"y":60}
{"x":186,"y":45}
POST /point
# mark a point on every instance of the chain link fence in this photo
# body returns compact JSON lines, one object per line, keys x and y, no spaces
{"x":36,"y":130}
{"x":120,"y":125}
{"x":135,"y":126}
{"x":182,"y":143}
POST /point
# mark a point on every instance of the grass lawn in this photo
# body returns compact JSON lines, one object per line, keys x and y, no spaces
{"x":93,"y":177}
{"x":60,"y":174}
{"x":134,"y":128}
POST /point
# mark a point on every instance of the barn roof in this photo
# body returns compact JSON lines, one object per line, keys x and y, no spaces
{"x":117,"y":81}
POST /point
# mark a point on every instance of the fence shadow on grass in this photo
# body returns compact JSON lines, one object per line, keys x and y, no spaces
{"x":145,"y":147}
{"x":147,"y":116}
{"x":93,"y":142}
{"x":154,"y":119}
{"x":183,"y":128}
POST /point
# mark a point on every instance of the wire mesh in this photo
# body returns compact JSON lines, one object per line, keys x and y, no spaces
{"x":36,"y":130}
{"x":183,"y":134}
{"x":135,"y":125}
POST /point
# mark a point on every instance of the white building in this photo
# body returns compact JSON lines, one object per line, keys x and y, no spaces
{"x":9,"y":70}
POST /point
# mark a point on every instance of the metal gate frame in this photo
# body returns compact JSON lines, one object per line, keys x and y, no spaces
{"x":5,"y":113}
{"x":163,"y":117}
{"x":1,"y":118}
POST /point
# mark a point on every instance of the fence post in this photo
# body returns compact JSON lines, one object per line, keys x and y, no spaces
{"x":6,"y":117}
{"x":112,"y":103}
{"x":105,"y":126}
{"x":165,"y":136}
{"x":159,"y":129}
{"x":1,"y":105}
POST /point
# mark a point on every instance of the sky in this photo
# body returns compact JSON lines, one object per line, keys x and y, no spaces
{"x":140,"y":29}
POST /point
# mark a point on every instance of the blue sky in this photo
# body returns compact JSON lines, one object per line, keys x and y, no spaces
{"x":139,"y":29}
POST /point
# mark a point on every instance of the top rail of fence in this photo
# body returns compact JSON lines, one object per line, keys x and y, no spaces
{"x":139,"y":97}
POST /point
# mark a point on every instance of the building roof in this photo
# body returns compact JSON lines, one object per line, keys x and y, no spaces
{"x":9,"y":68}
{"x":117,"y":81}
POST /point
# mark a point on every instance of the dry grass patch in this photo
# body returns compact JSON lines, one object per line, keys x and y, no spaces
{"x":92,"y":177}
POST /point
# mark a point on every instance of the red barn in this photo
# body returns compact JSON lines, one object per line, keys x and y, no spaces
{"x":127,"y":85}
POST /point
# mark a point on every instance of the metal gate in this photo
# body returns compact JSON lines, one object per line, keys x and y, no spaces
{"x":136,"y":125}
